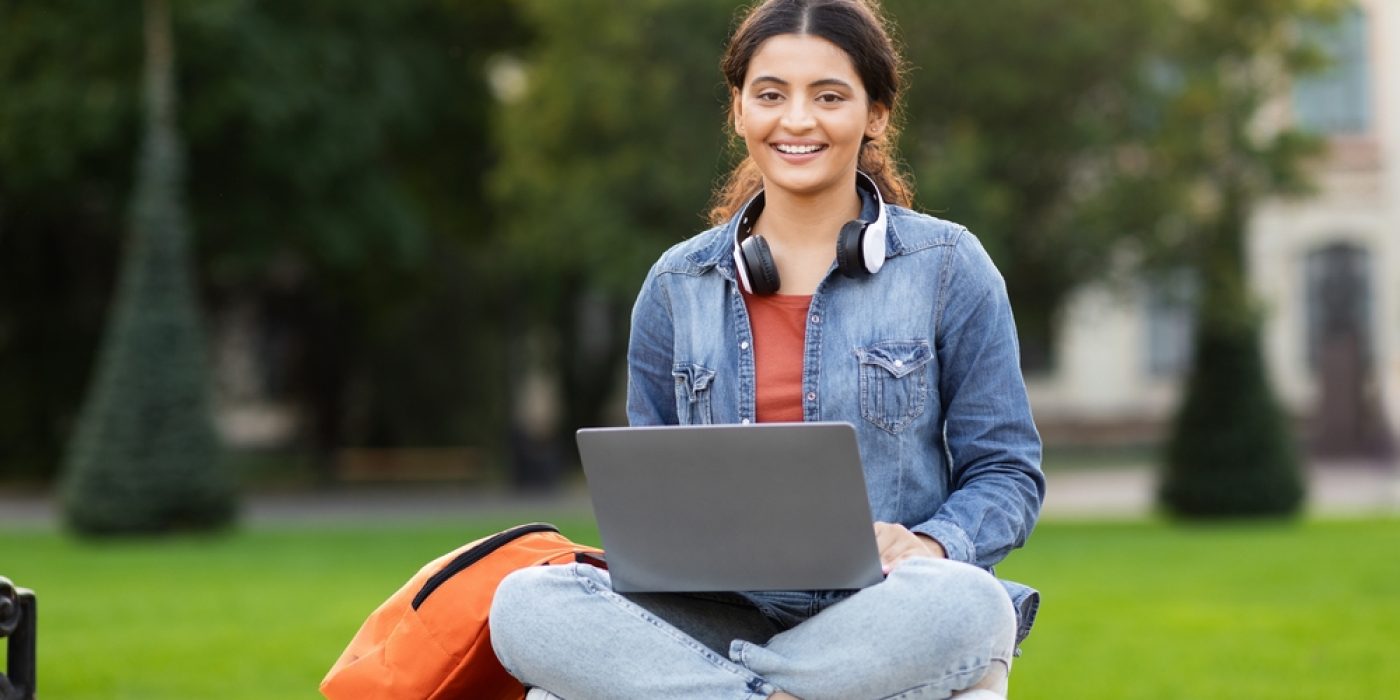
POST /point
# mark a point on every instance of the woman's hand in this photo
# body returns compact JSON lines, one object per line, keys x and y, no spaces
{"x":897,"y":543}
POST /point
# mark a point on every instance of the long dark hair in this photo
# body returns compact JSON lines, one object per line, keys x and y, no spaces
{"x":856,"y":27}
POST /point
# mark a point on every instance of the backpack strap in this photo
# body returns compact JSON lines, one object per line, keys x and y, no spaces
{"x":592,"y":559}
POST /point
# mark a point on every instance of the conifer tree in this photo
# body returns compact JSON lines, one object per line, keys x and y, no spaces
{"x":144,"y":456}
{"x":1232,"y":451}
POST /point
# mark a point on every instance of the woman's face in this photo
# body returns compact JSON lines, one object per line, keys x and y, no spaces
{"x":802,"y":113}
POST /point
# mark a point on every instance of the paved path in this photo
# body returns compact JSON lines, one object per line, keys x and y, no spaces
{"x":1333,"y":490}
{"x":1124,"y":492}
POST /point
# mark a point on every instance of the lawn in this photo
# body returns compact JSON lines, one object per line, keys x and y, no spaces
{"x":1132,"y":609}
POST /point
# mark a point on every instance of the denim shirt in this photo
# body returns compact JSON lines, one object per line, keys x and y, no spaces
{"x":921,"y":357}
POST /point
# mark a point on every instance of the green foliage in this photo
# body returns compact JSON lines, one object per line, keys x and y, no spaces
{"x":607,"y":159}
{"x":145,"y":457}
{"x":345,"y":133}
{"x":69,"y":76}
{"x":609,"y":155}
{"x":341,"y":149}
{"x":1026,"y":123}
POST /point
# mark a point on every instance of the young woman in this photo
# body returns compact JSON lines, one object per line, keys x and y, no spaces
{"x":819,"y":296}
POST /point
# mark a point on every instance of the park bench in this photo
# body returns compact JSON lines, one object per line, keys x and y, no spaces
{"x":18,"y":624}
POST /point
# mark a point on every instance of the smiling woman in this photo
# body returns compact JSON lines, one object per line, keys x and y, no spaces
{"x":819,"y":296}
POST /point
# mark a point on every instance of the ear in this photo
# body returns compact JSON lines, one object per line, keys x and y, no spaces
{"x":877,"y":122}
{"x":736,"y":111}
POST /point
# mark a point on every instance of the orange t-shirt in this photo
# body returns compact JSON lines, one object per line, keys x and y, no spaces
{"x":779,"y":323}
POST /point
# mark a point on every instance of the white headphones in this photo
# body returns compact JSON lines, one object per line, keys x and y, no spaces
{"x":860,"y":247}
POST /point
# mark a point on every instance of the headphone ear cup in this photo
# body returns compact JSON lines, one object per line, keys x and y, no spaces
{"x":758,"y":261}
{"x":850,"y":258}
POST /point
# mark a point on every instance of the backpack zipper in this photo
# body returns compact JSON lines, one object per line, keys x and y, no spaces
{"x":475,"y":554}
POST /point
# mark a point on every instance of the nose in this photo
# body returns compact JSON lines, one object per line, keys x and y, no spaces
{"x":798,"y":116}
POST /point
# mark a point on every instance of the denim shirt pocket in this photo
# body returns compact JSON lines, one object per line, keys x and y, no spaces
{"x":693,"y":393}
{"x":893,"y":383}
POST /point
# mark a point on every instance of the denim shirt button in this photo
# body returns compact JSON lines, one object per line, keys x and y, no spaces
{"x":744,"y":345}
{"x":812,"y":396}
{"x":898,"y":363}
{"x":745,"y":421}
{"x":816,"y":318}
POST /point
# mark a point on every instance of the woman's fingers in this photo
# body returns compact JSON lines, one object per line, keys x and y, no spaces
{"x":897,"y":543}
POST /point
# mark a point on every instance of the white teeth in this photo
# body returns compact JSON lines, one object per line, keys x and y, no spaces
{"x":798,"y":150}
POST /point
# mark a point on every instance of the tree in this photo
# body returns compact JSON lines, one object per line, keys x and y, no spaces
{"x":1232,"y":452}
{"x":68,"y":133}
{"x":607,"y":159}
{"x":145,"y":456}
{"x":336,"y":157}
{"x":349,"y":207}
{"x":1025,"y":123}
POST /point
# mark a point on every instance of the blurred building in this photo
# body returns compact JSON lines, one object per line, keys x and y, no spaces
{"x":1326,"y":268}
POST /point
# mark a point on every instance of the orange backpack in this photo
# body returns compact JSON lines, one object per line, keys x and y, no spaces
{"x":430,"y":639}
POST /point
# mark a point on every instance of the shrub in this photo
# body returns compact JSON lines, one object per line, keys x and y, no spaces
{"x":1232,"y":451}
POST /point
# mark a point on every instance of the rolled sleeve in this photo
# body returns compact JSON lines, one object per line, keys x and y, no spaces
{"x":956,"y":544}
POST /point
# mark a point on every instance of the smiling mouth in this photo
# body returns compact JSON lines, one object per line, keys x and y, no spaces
{"x":794,"y":150}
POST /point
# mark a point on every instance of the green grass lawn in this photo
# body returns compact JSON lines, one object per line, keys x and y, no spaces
{"x":1132,"y":610}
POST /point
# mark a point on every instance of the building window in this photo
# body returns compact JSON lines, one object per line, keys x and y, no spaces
{"x":1169,"y":303}
{"x":1338,"y":99}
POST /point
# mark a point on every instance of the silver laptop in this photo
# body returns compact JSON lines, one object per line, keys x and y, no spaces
{"x":773,"y":506}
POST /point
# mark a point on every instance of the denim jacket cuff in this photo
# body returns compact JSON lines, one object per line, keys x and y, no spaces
{"x":1026,"y":601}
{"x":955,"y":542}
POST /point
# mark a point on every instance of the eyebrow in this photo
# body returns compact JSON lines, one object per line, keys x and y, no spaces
{"x":824,"y":82}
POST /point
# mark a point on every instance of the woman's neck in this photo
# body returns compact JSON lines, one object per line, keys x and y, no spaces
{"x":795,"y":221}
{"x":801,"y":233}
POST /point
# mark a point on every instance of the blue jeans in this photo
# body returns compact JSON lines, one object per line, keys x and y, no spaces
{"x":932,"y":628}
